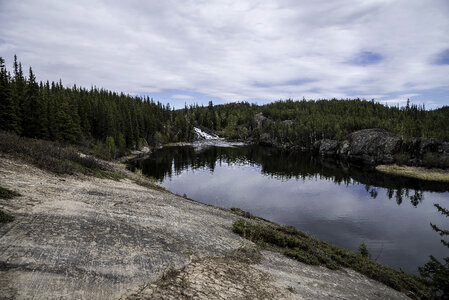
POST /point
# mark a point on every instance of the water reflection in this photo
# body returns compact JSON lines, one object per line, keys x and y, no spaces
{"x":284,"y":165}
{"x":340,"y":203}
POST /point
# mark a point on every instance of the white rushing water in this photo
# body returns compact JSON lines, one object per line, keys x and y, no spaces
{"x":204,"y":135}
{"x":205,"y":140}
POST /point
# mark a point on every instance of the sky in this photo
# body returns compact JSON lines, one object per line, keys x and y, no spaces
{"x":225,"y":51}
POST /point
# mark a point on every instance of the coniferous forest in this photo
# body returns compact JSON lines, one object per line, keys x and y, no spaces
{"x":84,"y":116}
{"x":303,"y":122}
{"x":93,"y":117}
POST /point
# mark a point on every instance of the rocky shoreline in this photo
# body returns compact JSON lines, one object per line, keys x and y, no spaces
{"x":372,"y":146}
{"x":377,"y":146}
{"x":81,"y":237}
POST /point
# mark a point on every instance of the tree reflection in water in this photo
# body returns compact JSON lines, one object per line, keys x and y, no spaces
{"x":284,"y":165}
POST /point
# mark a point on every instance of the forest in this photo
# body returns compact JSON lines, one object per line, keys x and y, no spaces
{"x":111,"y":122}
{"x":304,"y":122}
{"x":90,"y":117}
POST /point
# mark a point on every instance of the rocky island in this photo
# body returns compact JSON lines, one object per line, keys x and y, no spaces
{"x":378,"y":146}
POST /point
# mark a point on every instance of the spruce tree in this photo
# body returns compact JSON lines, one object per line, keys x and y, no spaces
{"x":436,"y":272}
{"x":9,"y":120}
{"x":67,"y":130}
{"x":32,"y":109}
{"x":18,"y":92}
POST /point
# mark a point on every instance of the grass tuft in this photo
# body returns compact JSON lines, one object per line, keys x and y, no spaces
{"x":241,"y":212}
{"x":250,"y":255}
{"x":149,"y":183}
{"x":170,"y":274}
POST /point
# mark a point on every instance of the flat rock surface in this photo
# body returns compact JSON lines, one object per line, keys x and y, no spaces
{"x":311,"y":282}
{"x":88,"y":238}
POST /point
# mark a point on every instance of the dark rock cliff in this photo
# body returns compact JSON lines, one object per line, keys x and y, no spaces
{"x":377,"y":146}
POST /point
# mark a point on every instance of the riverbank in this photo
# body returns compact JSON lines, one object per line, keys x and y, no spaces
{"x":421,"y":173}
{"x":374,"y":146}
{"x":81,"y":236}
{"x":87,"y":228}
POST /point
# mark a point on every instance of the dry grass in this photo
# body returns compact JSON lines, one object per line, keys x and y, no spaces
{"x":53,"y":157}
{"x":416,"y":172}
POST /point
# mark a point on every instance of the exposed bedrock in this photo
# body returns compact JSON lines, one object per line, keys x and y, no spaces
{"x":378,"y":146}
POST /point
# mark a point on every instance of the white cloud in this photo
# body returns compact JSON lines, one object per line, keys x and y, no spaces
{"x":394,"y":102}
{"x":182,"y":97}
{"x":232,"y":50}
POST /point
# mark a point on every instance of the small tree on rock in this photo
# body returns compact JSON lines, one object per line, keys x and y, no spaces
{"x":363,"y":250}
{"x":435,"y":272}
{"x":110,"y":145}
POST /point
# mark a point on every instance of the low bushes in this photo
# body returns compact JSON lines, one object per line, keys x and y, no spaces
{"x":51,"y":156}
{"x":7,"y":194}
{"x":5,"y":218}
{"x":307,"y":249}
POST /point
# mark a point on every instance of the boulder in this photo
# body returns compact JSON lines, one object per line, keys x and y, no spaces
{"x":326,"y":147}
{"x":265,"y":139}
{"x":288,"y":122}
{"x":370,"y":146}
{"x":377,"y":146}
{"x":258,"y":120}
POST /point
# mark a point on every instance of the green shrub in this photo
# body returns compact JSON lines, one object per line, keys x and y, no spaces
{"x":302,"y":257}
{"x":239,"y":227}
{"x":7,"y":194}
{"x":5,"y":218}
{"x":436,"y":273}
{"x":310,"y":250}
{"x":110,"y":146}
{"x":240,"y":212}
{"x":363,"y":250}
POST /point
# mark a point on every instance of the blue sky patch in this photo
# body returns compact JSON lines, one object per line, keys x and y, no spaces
{"x":366,"y":58}
{"x":431,"y":98}
{"x":442,"y":58}
{"x":295,"y":82}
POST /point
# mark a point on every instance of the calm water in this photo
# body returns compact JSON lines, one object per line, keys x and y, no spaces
{"x":338,"y":203}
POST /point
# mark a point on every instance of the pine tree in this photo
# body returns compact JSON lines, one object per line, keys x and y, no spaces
{"x":18,"y":92}
{"x":110,"y":146}
{"x":436,"y":272}
{"x":67,"y":130}
{"x":9,"y":120}
{"x":33,"y":109}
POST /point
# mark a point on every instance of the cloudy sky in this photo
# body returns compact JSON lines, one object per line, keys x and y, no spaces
{"x":258,"y":51}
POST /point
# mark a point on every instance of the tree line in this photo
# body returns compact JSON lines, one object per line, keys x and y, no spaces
{"x":304,"y":122}
{"x":91,"y":117}
{"x":99,"y":118}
